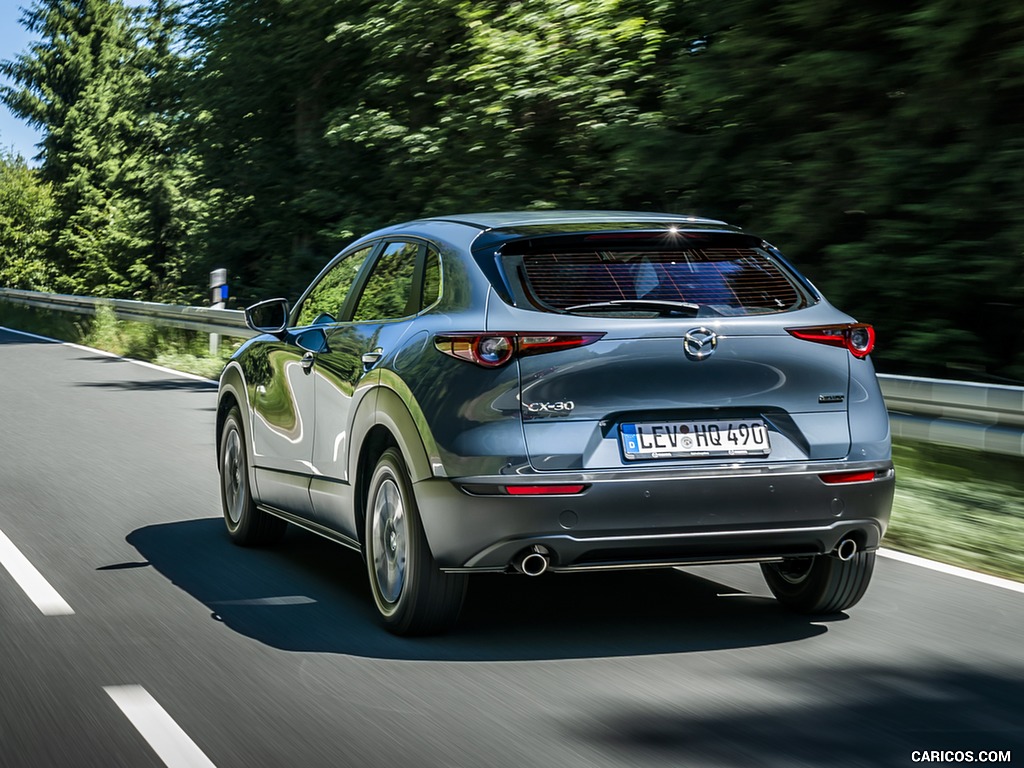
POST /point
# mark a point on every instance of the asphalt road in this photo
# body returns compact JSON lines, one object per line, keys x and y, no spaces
{"x":176,"y":647}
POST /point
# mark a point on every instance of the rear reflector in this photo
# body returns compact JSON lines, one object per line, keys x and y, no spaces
{"x":836,"y":478}
{"x":544,"y":490}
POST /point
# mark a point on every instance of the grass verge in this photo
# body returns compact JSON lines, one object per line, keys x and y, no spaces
{"x":960,"y":507}
{"x":180,"y":350}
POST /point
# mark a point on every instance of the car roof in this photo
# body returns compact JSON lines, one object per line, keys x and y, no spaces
{"x":558,"y":219}
{"x":496,"y":227}
{"x":487,"y":230}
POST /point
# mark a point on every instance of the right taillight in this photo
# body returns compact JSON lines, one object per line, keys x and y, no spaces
{"x":492,"y":350}
{"x":858,"y":338}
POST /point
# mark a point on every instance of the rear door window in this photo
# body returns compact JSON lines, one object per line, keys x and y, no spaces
{"x":324,"y":301}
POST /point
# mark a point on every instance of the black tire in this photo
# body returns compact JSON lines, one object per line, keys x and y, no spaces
{"x":822,"y":584}
{"x":412,"y":595}
{"x":247,"y":525}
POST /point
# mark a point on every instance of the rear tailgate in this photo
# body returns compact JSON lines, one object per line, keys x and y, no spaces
{"x":695,"y":365}
{"x":642,"y":400}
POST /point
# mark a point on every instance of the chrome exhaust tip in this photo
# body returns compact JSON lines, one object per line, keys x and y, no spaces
{"x":532,"y":562}
{"x":846,"y":549}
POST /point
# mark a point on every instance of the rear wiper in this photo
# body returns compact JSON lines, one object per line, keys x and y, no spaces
{"x":661,"y":306}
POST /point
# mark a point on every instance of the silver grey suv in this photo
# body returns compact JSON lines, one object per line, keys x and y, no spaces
{"x":560,"y":391}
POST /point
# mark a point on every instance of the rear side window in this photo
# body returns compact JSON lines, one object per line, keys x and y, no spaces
{"x":431,"y":289}
{"x":387,"y":291}
{"x":709,"y":281}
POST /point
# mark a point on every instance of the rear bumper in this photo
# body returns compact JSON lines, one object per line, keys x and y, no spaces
{"x":648,"y":519}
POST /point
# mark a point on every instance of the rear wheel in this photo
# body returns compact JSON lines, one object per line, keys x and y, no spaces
{"x":412,"y":595}
{"x":822,"y":584}
{"x":246,"y":524}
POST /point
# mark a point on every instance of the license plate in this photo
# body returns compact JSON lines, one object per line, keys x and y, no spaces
{"x":676,"y":439}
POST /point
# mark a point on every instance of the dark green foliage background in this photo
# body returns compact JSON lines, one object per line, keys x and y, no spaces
{"x":879,"y":145}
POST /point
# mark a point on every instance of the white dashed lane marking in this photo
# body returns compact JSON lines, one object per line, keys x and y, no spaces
{"x":38,"y":589}
{"x":168,"y":740}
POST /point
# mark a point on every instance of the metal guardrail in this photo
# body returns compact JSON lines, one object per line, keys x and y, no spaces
{"x":229,"y":322}
{"x":987,"y":417}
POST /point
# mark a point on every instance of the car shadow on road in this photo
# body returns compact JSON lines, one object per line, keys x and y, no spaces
{"x":856,"y":712}
{"x":312,"y":595}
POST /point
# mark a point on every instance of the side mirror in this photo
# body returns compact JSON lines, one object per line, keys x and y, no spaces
{"x":270,"y":316}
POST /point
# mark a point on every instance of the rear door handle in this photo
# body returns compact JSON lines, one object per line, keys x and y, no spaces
{"x":307,"y":362}
{"x":372,"y":357}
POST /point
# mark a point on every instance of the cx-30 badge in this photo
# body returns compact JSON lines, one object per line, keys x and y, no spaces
{"x":562,"y":406}
{"x":700,"y":343}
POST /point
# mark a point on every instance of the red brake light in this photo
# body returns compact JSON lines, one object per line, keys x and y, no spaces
{"x":835,"y":478}
{"x":545,"y":490}
{"x":858,"y":338}
{"x":492,"y":350}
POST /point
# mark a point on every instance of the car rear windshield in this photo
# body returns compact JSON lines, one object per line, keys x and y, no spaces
{"x":704,"y":279}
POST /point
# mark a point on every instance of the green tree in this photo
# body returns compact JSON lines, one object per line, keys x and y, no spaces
{"x":162,"y":163}
{"x":78,"y":83}
{"x":100,"y":83}
{"x":321,"y":121}
{"x":26,"y":208}
{"x":878,"y":145}
{"x":498,"y":105}
{"x":270,"y":72}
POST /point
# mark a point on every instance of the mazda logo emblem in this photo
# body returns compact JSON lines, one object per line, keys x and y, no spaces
{"x":700,"y":343}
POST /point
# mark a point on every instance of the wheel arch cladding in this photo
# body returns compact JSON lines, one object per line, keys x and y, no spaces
{"x":228,"y":400}
{"x":393,"y":426}
{"x":232,"y":394}
{"x":393,"y":414}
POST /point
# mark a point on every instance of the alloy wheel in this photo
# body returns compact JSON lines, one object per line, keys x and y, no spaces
{"x":232,"y":473}
{"x":390,"y":540}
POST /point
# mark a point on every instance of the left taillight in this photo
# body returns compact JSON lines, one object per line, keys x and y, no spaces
{"x":493,"y":350}
{"x":858,"y":338}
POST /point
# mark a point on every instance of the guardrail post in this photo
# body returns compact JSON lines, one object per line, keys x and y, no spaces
{"x":219,"y":295}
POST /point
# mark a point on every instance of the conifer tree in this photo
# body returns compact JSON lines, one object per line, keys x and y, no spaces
{"x":78,"y":84}
{"x":99,"y":83}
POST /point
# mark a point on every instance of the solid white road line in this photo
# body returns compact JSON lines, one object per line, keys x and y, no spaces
{"x":168,"y":740}
{"x":104,"y":353}
{"x":952,"y":570}
{"x":31,"y":580}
